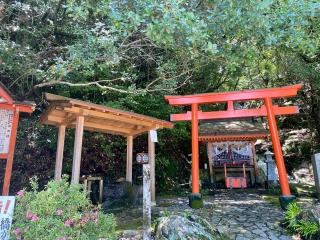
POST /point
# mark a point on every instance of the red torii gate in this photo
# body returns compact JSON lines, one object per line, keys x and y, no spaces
{"x":9,"y":119}
{"x":268,"y":109}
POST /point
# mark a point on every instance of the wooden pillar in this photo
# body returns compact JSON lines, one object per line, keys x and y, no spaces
{"x":151,"y":152}
{"x":59,"y":155}
{"x":195,"y":149}
{"x":77,"y":150}
{"x":283,"y":179}
{"x":9,"y":162}
{"x":129,"y":159}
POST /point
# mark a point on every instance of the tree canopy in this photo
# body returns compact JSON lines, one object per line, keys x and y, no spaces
{"x":129,"y":53}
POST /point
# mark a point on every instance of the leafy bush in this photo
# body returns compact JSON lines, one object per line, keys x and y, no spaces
{"x":301,"y":222}
{"x":60,"y":211}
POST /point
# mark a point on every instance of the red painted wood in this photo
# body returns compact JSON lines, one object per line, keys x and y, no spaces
{"x":242,"y":137}
{"x":7,"y":106}
{"x":5,"y":96}
{"x":260,"y":112}
{"x":18,"y":107}
{"x":8,"y":171}
{"x":3,"y":156}
{"x":283,"y":179}
{"x":195,"y":150}
{"x":289,"y":91}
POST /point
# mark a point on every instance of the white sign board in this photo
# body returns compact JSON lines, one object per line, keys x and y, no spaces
{"x":154,"y":136}
{"x":6,"y":214}
{"x":6,"y":119}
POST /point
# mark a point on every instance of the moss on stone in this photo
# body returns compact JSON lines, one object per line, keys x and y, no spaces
{"x":195,"y":201}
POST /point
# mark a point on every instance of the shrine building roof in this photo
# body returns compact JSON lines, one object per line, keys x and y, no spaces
{"x":232,"y":130}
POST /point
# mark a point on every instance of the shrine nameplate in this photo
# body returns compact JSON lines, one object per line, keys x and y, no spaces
{"x":6,"y":120}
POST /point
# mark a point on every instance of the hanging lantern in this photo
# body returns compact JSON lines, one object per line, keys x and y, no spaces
{"x":142,"y":158}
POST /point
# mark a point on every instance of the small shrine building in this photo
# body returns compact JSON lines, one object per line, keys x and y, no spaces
{"x":231,"y":147}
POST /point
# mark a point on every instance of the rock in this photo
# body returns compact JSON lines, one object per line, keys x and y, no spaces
{"x":189,"y":228}
{"x":122,"y":194}
{"x":131,"y":235}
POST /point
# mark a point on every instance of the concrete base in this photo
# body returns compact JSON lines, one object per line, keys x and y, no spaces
{"x":286,"y":200}
{"x":195,"y":200}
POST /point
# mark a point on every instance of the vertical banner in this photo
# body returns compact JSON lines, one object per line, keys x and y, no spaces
{"x":6,"y":215}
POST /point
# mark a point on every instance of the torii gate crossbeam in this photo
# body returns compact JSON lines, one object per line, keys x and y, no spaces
{"x":267,"y":110}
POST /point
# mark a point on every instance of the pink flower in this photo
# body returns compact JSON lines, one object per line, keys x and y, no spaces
{"x":20,"y":193}
{"x":68,"y":223}
{"x":17,"y":232}
{"x":29,"y":215}
{"x":62,"y":238}
{"x":34,"y":218}
{"x":59,"y":212}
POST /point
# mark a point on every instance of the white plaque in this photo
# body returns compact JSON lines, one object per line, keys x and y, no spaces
{"x":154,"y":136}
{"x":6,"y":214}
{"x":6,"y":120}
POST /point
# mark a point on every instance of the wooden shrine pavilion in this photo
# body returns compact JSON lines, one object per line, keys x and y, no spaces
{"x":268,"y":109}
{"x":230,"y":145}
{"x":9,"y":119}
{"x":65,"y":113}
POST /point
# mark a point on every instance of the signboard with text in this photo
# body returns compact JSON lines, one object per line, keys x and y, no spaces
{"x":6,"y":119}
{"x":6,"y":214}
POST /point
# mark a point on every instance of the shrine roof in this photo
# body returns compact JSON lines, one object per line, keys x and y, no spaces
{"x":98,"y":118}
{"x":232,"y":130}
{"x":7,"y":101}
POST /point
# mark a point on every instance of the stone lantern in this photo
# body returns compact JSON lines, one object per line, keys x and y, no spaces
{"x":272,"y":174}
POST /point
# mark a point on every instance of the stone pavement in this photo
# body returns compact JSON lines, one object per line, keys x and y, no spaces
{"x":243,"y":216}
{"x":238,"y":215}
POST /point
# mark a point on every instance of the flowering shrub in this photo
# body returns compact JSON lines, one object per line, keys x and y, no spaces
{"x":60,"y":212}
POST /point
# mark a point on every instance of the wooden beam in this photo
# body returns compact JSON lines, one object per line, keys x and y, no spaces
{"x":45,"y":116}
{"x":59,"y":155}
{"x":69,"y":119}
{"x":114,"y":117}
{"x":92,"y":126}
{"x":106,"y":127}
{"x":129,"y":159}
{"x":244,"y":113}
{"x":151,"y":153}
{"x":142,"y":130}
{"x":77,"y":150}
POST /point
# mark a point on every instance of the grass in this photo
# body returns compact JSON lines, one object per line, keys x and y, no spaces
{"x":273,"y":199}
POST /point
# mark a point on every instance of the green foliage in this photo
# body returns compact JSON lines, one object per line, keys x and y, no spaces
{"x":301,"y":222}
{"x":60,"y":211}
{"x":291,"y":214}
{"x":128,"y":54}
{"x":308,"y":229}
